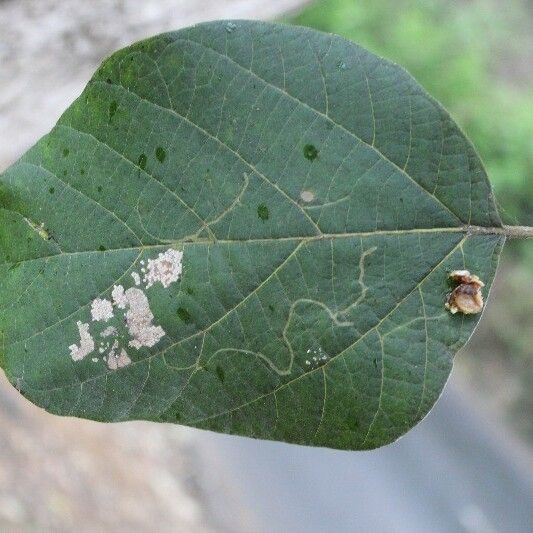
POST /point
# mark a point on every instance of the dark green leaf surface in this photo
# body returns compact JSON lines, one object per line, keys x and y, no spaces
{"x":289,"y":206}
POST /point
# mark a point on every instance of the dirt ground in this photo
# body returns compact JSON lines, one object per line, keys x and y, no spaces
{"x":60,"y":474}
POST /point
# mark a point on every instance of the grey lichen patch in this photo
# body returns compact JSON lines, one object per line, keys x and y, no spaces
{"x":138,"y":317}
{"x":101,"y":310}
{"x":231,"y":27}
{"x":86,"y":343}
{"x":341,"y":65}
{"x":466,"y":298}
{"x":316,"y":360}
{"x":109,"y":332}
{"x":119,"y":297}
{"x":307,"y":196}
{"x":117,"y":357}
{"x":131,"y":306}
{"x":165,"y":269}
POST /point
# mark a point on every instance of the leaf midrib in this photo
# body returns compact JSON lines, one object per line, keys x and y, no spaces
{"x":252,"y":167}
{"x":467,"y":230}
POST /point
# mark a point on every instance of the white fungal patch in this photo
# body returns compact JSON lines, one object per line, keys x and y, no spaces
{"x":138,"y":317}
{"x":109,"y":331}
{"x":103,"y":347}
{"x":119,"y":297}
{"x":101,"y":310}
{"x":117,"y":359}
{"x":307,"y":196}
{"x":114,"y":348}
{"x":165,"y":269}
{"x":86,"y":343}
{"x":318,"y":359}
{"x":139,"y":320}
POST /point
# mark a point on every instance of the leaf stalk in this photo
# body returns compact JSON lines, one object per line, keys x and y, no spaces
{"x":511,"y":232}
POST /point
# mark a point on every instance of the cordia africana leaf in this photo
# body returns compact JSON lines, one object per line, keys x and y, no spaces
{"x":245,"y":227}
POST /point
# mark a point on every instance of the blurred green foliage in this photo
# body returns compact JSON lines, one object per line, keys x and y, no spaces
{"x":476,"y":57}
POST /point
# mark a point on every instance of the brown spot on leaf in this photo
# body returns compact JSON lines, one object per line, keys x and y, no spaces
{"x":466,"y":298}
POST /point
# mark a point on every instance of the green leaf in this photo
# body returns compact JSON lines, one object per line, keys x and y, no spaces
{"x":244,"y":227}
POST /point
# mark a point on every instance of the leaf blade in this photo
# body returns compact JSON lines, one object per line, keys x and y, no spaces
{"x":316,"y":231}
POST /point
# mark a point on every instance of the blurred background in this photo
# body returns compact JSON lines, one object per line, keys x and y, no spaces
{"x":467,"y":467}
